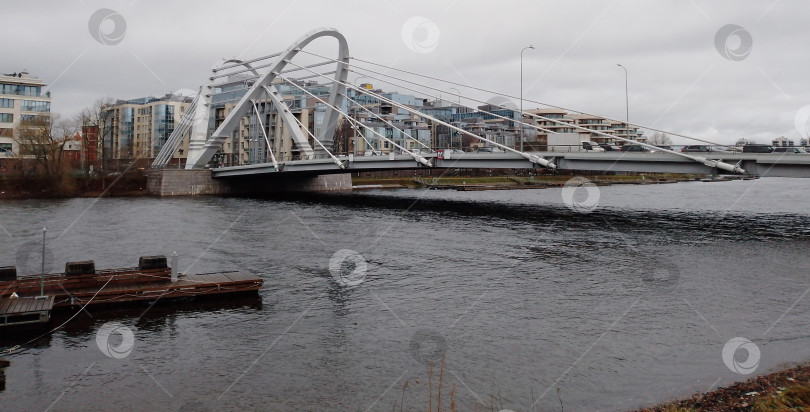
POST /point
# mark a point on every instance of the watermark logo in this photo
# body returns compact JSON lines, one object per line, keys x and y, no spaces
{"x":730,"y":351}
{"x":348,"y":267}
{"x":802,"y":121}
{"x":580,"y":195}
{"x":427,"y":346}
{"x":115,"y":340}
{"x":29,"y":258}
{"x":733,"y":42}
{"x":661,"y":276}
{"x":420,"y":34}
{"x":107,"y":26}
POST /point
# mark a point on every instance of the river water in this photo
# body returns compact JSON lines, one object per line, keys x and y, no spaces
{"x":529,"y":302}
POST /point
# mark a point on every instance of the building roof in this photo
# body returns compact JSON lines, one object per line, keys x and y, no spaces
{"x":21,"y":78}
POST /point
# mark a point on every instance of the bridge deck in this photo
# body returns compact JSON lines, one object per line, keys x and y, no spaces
{"x":758,"y":164}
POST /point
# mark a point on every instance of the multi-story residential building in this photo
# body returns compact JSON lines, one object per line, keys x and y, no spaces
{"x":138,"y":128}
{"x":782,"y":142}
{"x":22,"y":98}
{"x":743,"y":141}
{"x":557,"y":122}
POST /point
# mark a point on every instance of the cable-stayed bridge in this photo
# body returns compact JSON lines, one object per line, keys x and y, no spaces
{"x":295,"y":136}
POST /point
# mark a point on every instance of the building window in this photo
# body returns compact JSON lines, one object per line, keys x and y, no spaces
{"x":34,"y":117}
{"x":6,"y":132}
{"x":5,"y":147}
{"x":35,"y":106}
{"x":6,"y":118}
{"x":7,"y":103}
{"x":20,"y":90}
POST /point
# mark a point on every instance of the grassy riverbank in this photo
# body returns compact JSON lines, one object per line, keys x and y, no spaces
{"x":519,"y":182}
{"x":785,"y":390}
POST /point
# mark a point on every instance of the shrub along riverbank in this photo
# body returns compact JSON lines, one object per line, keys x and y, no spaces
{"x":130,"y":183}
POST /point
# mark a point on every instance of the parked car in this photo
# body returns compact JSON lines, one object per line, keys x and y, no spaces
{"x":698,"y":148}
{"x":665,"y":147}
{"x":789,"y":150}
{"x":757,"y":148}
{"x":634,"y":148}
{"x":609,"y":147}
{"x":484,"y":150}
{"x":592,"y":147}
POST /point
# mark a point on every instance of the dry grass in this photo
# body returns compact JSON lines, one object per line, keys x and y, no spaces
{"x":794,"y":398}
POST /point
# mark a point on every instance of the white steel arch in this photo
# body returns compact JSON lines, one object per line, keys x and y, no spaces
{"x":203,"y":149}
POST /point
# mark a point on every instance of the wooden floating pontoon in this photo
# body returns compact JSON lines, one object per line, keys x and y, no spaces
{"x":23,"y":311}
{"x":82,"y":285}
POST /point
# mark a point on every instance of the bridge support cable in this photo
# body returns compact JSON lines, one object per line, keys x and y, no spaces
{"x":289,"y":118}
{"x":267,"y":140}
{"x":363,"y":74}
{"x":356,"y":127}
{"x":176,"y":138}
{"x":281,"y":106}
{"x":324,"y":63}
{"x":298,"y":79}
{"x":530,"y":157}
{"x":458,"y":104}
{"x":245,"y":62}
{"x":355,"y":123}
{"x":385,"y":121}
{"x":516,"y":97}
{"x":705,"y":161}
{"x":708,"y":162}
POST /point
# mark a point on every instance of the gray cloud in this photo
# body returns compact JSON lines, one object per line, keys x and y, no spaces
{"x":678,"y":80}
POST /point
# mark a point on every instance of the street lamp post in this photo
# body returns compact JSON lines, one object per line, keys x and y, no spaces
{"x":452,"y":132}
{"x":626,"y":101}
{"x":520,"y":118}
{"x":457,"y":91}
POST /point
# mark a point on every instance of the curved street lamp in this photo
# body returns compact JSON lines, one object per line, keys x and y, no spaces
{"x":520,"y":120}
{"x":457,"y":91}
{"x":626,"y":100}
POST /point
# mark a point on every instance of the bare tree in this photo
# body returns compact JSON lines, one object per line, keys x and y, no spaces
{"x":342,"y":140}
{"x":96,"y":115}
{"x":659,"y":139}
{"x":43,"y":139}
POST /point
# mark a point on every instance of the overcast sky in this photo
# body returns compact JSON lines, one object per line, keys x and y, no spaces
{"x":689,"y":72}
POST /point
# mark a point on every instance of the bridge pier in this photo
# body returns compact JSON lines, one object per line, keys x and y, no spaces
{"x":194,"y":182}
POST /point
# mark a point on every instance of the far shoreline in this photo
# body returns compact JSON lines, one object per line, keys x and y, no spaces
{"x":134,"y":184}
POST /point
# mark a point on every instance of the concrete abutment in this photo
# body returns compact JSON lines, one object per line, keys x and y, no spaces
{"x":181,"y":182}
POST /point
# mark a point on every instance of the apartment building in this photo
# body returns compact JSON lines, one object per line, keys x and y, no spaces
{"x":138,"y":128}
{"x":22,"y":98}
